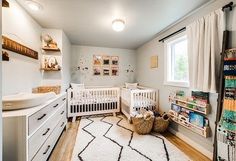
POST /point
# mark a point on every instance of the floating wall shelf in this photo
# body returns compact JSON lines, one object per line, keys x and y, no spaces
{"x":50,"y":49}
{"x":205,"y":131}
{"x":184,"y":104}
{"x":49,"y":69}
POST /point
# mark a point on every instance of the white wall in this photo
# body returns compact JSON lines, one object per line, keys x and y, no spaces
{"x":62,"y":77}
{"x":85,"y":53}
{"x":21,"y":73}
{"x":66,"y":61}
{"x":155,"y":77}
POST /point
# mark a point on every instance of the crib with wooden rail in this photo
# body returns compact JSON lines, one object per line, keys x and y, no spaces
{"x":93,"y":100}
{"x":132,"y":100}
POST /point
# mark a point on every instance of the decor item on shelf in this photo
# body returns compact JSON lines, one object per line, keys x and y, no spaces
{"x":175,"y":108}
{"x":196,"y":119}
{"x":49,"y":43}
{"x":228,"y":117}
{"x":143,"y":122}
{"x":14,"y":46}
{"x":50,"y":63}
{"x":230,"y":54}
{"x":200,"y":97}
{"x":45,"y":89}
{"x":5,"y":56}
{"x":5,"y":3}
{"x":161,"y":123}
{"x":154,"y":62}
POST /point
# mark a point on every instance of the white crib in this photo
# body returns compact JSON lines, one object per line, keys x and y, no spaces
{"x":91,"y":101}
{"x":132,"y":100}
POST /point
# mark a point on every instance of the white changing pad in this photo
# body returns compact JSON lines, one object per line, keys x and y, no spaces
{"x":25,"y":100}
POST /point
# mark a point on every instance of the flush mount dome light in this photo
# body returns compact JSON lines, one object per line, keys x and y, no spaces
{"x":33,"y":5}
{"x":118,"y":25}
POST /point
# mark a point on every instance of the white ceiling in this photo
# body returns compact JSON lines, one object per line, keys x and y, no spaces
{"x":88,"y":22}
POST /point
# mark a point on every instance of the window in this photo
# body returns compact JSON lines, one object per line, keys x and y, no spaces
{"x":176,"y":61}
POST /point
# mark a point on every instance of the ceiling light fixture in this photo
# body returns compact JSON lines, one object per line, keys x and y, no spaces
{"x":118,"y":25}
{"x":33,"y":5}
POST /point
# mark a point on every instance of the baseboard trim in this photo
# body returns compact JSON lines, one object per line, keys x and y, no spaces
{"x":195,"y":145}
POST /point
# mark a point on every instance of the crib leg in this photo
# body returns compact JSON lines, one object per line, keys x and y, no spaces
{"x":130,"y":120}
{"x":73,"y":119}
{"x":114,"y":114}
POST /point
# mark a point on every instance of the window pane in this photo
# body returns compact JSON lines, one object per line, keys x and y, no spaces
{"x":179,"y":61}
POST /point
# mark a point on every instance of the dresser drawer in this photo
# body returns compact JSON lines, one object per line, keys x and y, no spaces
{"x":45,"y":150}
{"x":39,"y":117}
{"x":37,"y":140}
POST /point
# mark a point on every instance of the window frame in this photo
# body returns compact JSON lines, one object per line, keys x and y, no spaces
{"x":168,"y":60}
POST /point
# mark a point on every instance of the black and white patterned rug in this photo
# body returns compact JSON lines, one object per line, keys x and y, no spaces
{"x":109,"y":138}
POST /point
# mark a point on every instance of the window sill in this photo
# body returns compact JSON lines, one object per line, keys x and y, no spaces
{"x":177,"y":84}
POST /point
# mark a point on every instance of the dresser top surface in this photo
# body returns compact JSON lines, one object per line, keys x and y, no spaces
{"x":32,"y":110}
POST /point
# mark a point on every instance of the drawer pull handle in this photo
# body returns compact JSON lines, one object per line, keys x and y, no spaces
{"x":55,"y":105}
{"x":46,"y":131}
{"x":62,"y":112}
{"x":47,"y":150}
{"x":62,"y":124}
{"x":63,"y":99}
{"x":40,"y":118}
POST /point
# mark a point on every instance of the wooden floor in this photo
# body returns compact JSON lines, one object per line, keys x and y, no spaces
{"x":64,"y":148}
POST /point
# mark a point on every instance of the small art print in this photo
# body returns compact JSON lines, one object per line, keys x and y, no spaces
{"x":97,"y":60}
{"x":97,"y":71}
{"x":114,"y":71}
{"x":106,"y":71}
{"x":114,"y":60}
{"x":106,"y":60}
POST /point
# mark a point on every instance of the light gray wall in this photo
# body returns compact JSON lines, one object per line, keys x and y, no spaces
{"x":66,"y":61}
{"x":155,"y":77}
{"x":21,"y":73}
{"x":85,"y":53}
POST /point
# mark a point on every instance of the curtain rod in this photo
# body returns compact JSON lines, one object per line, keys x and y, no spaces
{"x":176,"y":32}
{"x":229,"y":5}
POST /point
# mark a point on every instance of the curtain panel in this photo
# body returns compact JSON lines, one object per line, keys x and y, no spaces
{"x":204,"y":47}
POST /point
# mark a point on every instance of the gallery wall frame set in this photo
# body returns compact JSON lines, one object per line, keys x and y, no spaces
{"x":105,"y":65}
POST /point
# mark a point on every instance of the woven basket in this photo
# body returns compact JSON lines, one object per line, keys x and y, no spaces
{"x":143,"y":125}
{"x":161,"y":123}
{"x":46,"y":89}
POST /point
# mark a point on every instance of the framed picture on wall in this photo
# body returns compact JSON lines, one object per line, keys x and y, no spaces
{"x":97,"y":60}
{"x":97,"y":71}
{"x":154,"y":62}
{"x":114,"y":60}
{"x":114,"y":71}
{"x":106,"y":60}
{"x":106,"y":71}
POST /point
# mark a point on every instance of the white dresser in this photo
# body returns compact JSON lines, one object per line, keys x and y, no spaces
{"x":31,"y":134}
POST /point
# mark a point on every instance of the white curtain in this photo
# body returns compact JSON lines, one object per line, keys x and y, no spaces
{"x":204,"y":46}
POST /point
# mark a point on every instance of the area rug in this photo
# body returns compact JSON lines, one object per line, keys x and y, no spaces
{"x":109,"y":138}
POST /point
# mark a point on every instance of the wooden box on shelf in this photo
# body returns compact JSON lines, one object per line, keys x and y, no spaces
{"x":46,"y":89}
